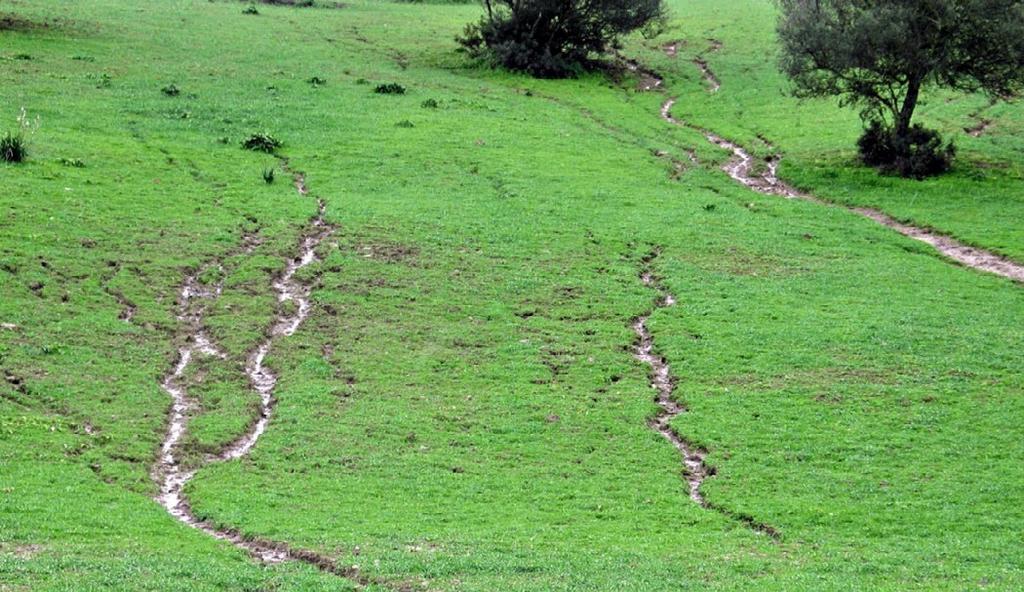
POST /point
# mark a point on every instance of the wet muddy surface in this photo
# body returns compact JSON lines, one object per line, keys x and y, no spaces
{"x":663,"y":383}
{"x":710,"y":79}
{"x":761,"y":175}
{"x":647,"y":79}
{"x":193,"y":300}
{"x":695,"y":469}
{"x":977,"y":130}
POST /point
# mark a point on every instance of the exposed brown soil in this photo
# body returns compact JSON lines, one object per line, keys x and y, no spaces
{"x":760,"y":175}
{"x":671,"y":48}
{"x":663,"y":383}
{"x":709,"y":77}
{"x":979,"y":128}
{"x":168,"y":473}
{"x":695,"y":469}
{"x":647,"y":80}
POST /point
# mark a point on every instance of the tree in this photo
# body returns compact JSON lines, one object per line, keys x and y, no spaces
{"x":554,"y":38}
{"x":880,"y":55}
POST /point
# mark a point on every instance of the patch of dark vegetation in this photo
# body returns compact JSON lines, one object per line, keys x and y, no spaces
{"x":555,"y":38}
{"x":430,"y":104}
{"x":13,"y":22}
{"x":918,"y":153}
{"x":171,"y":90}
{"x":389,"y":88}
{"x":251,"y":9}
{"x":75,"y":163}
{"x":317,"y":81}
{"x":261,"y":142}
{"x":268,"y":176}
{"x":12,"y":147}
{"x":294,"y":3}
{"x":405,"y":123}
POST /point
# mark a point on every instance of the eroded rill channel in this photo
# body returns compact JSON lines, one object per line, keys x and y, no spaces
{"x":168,"y":473}
{"x":695,"y":469}
{"x":761,"y":175}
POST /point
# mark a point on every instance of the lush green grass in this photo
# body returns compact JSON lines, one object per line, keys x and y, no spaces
{"x":462,"y":405}
{"x":980,"y":202}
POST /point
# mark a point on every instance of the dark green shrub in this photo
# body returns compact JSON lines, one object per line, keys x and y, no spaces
{"x":554,"y":38}
{"x":268,"y":175}
{"x":317,"y":81}
{"x":251,"y":9}
{"x":918,"y":153}
{"x":261,"y":142}
{"x":405,"y":123}
{"x":430,"y":104}
{"x":171,"y":90}
{"x":390,"y":88}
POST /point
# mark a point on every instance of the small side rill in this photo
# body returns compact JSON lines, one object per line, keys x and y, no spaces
{"x":168,"y":474}
{"x":695,"y":469}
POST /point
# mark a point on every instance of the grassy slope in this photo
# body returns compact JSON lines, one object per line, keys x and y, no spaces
{"x":462,"y":406}
{"x":980,"y":202}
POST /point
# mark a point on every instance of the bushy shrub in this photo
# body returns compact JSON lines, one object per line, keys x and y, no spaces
{"x":261,"y":142}
{"x":430,"y":104}
{"x":171,"y":90}
{"x":390,"y":88}
{"x":554,"y":38}
{"x":269,"y":175}
{"x":251,"y":9}
{"x":918,"y":153}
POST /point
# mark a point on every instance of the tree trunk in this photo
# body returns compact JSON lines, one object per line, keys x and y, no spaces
{"x":909,"y":103}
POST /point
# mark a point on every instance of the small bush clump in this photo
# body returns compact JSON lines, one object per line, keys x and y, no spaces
{"x":317,"y":81}
{"x":171,"y":90}
{"x":405,"y":123}
{"x":390,"y":88}
{"x":12,"y":147}
{"x":261,"y":142}
{"x":72,"y":162}
{"x":268,"y":176}
{"x":917,"y":154}
{"x":430,"y":104}
{"x":251,"y":9}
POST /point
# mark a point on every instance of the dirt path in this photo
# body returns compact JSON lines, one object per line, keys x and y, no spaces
{"x":761,"y":176}
{"x":709,"y":77}
{"x":663,"y":383}
{"x":194,"y":298}
{"x":696,"y":470}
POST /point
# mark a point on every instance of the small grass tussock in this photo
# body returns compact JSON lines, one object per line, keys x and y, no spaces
{"x":14,"y":145}
{"x":389,"y":88}
{"x":269,"y":175}
{"x":250,"y":9}
{"x":261,"y":142}
{"x":430,"y":104}
{"x":171,"y":90}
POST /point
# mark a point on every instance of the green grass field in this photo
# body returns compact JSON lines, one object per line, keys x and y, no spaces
{"x":462,"y":409}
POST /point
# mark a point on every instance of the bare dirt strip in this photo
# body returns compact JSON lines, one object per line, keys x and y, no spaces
{"x":695,"y":469}
{"x":168,"y":472}
{"x":761,"y":175}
